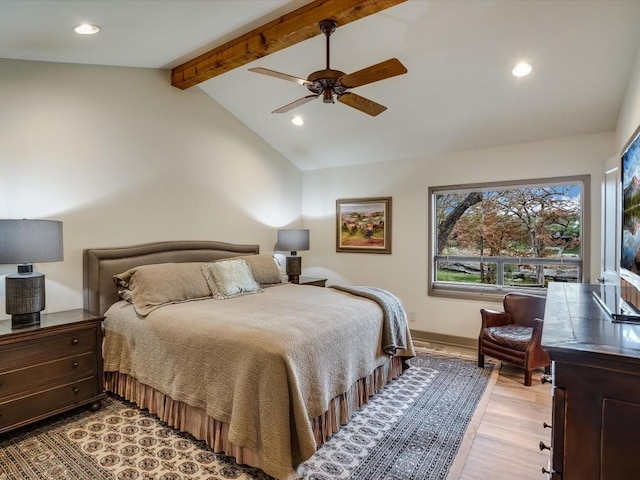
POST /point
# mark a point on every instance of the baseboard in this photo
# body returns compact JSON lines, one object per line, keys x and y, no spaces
{"x":432,"y":337}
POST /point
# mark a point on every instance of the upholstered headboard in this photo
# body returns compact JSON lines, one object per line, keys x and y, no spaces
{"x":101,"y":264}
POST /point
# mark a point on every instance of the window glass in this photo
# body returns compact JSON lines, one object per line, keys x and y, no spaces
{"x":522,"y":235}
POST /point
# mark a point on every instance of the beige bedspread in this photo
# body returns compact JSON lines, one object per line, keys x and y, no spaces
{"x":265,"y":363}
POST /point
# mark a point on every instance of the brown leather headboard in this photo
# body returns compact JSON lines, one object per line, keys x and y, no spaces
{"x":101,"y":264}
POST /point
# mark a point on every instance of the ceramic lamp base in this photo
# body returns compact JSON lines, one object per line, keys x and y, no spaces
{"x":25,"y":298}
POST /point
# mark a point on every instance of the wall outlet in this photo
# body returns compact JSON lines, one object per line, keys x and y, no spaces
{"x":411,"y":316}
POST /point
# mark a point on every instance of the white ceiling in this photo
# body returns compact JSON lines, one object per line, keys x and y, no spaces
{"x":459,"y":92}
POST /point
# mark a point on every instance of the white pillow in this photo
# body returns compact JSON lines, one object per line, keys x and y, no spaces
{"x":230,"y":278}
{"x":281,"y":262}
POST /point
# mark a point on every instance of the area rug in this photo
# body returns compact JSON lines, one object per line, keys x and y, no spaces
{"x":412,"y":430}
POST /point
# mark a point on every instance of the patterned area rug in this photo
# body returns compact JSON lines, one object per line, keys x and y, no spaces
{"x":412,"y":430}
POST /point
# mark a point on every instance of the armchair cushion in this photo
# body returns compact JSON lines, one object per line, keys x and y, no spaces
{"x":515,"y":337}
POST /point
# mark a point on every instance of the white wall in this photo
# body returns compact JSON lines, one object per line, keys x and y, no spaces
{"x":629,"y":118}
{"x":404,"y":272}
{"x":121,"y":157}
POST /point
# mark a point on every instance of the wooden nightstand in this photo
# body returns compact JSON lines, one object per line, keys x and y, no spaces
{"x":316,"y":282}
{"x":50,"y":368}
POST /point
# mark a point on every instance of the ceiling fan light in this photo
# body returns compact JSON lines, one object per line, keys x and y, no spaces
{"x":522,"y":69}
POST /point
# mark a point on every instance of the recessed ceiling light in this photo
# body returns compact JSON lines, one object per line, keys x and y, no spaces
{"x":522,"y":69}
{"x":297,"y":120}
{"x":87,"y":29}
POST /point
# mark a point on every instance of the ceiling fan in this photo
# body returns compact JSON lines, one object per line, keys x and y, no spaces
{"x":334,"y":84}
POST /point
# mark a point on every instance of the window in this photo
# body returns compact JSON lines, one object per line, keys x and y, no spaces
{"x":486,"y":239}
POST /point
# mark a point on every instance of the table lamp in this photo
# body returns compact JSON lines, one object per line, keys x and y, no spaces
{"x":25,"y":242}
{"x":293,"y":240}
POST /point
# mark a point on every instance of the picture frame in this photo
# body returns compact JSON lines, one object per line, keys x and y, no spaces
{"x":363,"y":225}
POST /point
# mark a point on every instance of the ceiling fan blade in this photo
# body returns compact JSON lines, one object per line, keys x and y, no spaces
{"x":283,"y":76}
{"x":297,"y":103}
{"x":363,"y":104}
{"x":379,"y":71}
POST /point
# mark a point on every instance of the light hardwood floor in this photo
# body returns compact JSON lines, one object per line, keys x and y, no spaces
{"x":506,"y":443}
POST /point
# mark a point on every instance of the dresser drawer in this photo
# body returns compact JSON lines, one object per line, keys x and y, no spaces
{"x":38,"y":404}
{"x":48,"y":347}
{"x":38,"y":376}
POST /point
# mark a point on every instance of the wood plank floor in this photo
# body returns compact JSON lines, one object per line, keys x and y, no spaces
{"x":506,"y":443}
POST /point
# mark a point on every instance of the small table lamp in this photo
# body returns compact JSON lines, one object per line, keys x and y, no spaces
{"x":25,"y":242}
{"x":294,"y":241}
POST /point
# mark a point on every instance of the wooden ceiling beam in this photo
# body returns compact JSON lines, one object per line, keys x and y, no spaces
{"x":289,"y":29}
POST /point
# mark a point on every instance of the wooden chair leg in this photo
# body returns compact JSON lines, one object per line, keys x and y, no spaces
{"x":547,"y":369}
{"x":527,"y":378}
{"x":480,"y":359}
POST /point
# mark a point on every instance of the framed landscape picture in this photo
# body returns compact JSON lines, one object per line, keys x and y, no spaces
{"x":363,"y":225}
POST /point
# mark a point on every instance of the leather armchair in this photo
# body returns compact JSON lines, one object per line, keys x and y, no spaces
{"x":515,"y":335}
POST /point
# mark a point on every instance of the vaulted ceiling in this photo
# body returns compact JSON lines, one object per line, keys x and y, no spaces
{"x":458,"y":93}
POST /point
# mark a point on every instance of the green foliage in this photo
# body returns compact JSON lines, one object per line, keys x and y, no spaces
{"x":449,"y":276}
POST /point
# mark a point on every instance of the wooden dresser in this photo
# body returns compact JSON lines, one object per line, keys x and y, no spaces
{"x":50,"y":368}
{"x":596,"y":388}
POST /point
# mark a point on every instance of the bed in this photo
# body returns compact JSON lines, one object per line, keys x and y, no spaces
{"x":265,"y":377}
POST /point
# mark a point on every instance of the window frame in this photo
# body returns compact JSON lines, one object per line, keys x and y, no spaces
{"x":496,"y":292}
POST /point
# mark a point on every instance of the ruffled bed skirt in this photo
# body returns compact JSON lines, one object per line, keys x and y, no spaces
{"x":215,"y":433}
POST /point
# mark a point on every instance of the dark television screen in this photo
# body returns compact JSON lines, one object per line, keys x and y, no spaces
{"x":630,"y":251}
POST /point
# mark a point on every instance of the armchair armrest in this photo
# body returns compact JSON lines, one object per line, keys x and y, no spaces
{"x":537,"y":355}
{"x":536,"y":335}
{"x":491,"y":318}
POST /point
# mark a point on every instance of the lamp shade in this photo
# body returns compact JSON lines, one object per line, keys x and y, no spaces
{"x":30,"y":241}
{"x":293,"y":239}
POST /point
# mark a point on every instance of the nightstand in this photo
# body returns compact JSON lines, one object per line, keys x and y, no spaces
{"x":50,"y":368}
{"x":316,"y":282}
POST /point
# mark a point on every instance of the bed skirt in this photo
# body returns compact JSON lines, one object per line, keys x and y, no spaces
{"x":214,"y":433}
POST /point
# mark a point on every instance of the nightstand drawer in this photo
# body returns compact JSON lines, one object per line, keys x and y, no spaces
{"x":40,"y":375}
{"x":49,"y":347}
{"x":32,"y":406}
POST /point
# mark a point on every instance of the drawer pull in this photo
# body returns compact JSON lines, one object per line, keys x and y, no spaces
{"x":543,"y":446}
{"x":76,"y":390}
{"x":546,"y":425}
{"x":75,"y":364}
{"x":75,"y":341}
